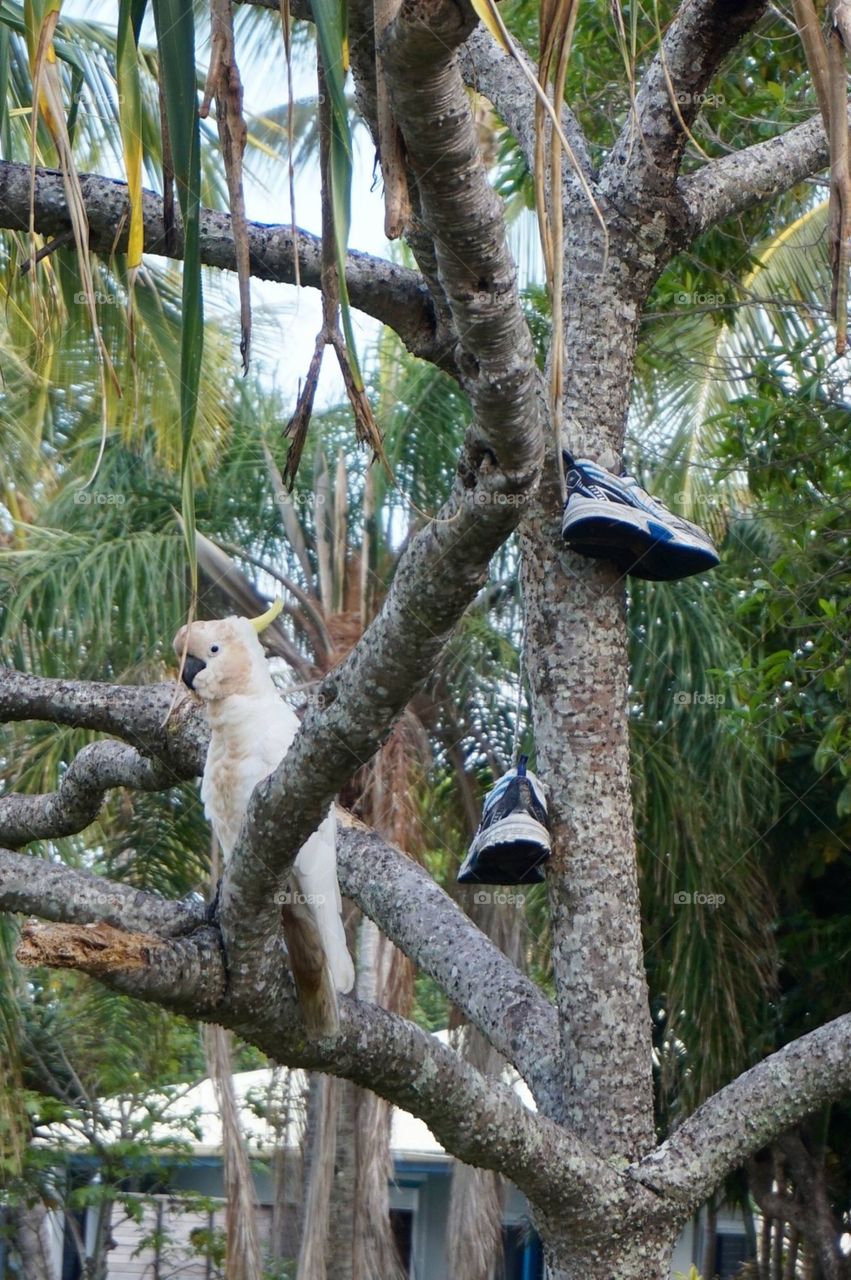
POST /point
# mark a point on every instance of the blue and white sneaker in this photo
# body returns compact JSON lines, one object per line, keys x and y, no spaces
{"x":612,"y":518}
{"x":513,"y":837}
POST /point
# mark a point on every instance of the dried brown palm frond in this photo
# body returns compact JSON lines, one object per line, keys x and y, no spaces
{"x":243,"y":1246}
{"x":224,"y":83}
{"x":558,"y":21}
{"x":391,"y":147}
{"x":322,"y":1136}
{"x":48,"y":105}
{"x":826,"y":61}
{"x":333,"y":124}
{"x":474,"y":1225}
{"x":243,"y":1259}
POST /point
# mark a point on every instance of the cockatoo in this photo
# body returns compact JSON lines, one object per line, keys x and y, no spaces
{"x":251,"y":730}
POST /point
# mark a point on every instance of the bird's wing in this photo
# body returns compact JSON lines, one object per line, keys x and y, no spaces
{"x":241,"y":755}
{"x":272,"y":731}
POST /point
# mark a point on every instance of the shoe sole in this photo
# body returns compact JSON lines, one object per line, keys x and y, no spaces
{"x":509,"y":852}
{"x":636,"y":541}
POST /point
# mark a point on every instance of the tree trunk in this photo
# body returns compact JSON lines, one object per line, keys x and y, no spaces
{"x":244,"y":1261}
{"x":96,"y":1263}
{"x":710,"y":1245}
{"x":374,"y":1251}
{"x":473,"y":1226}
{"x":806,"y":1164}
{"x":33,"y":1242}
{"x":287,"y":1170}
{"x":791,"y":1269}
{"x":341,"y":1219}
{"x":609,"y":1259}
{"x":322,"y":1131}
{"x":576,"y":657}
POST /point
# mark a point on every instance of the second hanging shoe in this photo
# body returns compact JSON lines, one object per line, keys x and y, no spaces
{"x":612,"y":518}
{"x":513,"y":837}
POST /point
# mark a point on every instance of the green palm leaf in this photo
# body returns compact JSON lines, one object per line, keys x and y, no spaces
{"x":176,"y":40}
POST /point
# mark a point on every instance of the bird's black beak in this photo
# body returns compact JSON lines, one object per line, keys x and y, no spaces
{"x":191,"y":667}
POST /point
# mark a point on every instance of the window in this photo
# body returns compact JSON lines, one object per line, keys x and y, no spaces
{"x":402,"y":1226}
{"x":522,"y":1258}
{"x":731,"y":1250}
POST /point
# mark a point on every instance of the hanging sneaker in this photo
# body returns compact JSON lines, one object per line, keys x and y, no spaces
{"x":612,"y":518}
{"x":513,"y":837}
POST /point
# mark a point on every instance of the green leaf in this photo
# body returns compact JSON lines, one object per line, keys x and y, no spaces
{"x":4,"y":90}
{"x":175,"y":27}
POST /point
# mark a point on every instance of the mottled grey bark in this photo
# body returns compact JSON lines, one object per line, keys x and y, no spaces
{"x":391,"y":293}
{"x":637,"y":1256}
{"x":424,"y":922}
{"x":742,"y":179}
{"x":735,"y":1122}
{"x":98,"y":767}
{"x":576,"y":657}
{"x":155,"y":719}
{"x":55,"y":892}
{"x":486,"y":69}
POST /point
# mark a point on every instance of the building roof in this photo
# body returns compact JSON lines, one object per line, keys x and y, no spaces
{"x":271,"y":1102}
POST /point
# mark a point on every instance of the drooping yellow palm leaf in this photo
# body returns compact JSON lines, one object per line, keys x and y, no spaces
{"x":130,"y":13}
{"x":41,"y":17}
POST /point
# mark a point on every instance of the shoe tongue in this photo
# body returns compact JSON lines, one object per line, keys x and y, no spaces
{"x":521,"y":766}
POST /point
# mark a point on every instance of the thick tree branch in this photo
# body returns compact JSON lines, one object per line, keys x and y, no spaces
{"x":392,"y":294}
{"x":490,"y":71}
{"x":187,"y":975}
{"x":423,"y":921}
{"x":465,"y":219}
{"x":747,"y":1114}
{"x":97,"y":768}
{"x":746,"y":178}
{"x":648,"y":152}
{"x":55,"y":892}
{"x":410,"y":1068}
{"x":119,"y":938}
{"x":138,"y":714}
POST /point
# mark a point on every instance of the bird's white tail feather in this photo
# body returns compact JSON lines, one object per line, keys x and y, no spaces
{"x":315,"y":878}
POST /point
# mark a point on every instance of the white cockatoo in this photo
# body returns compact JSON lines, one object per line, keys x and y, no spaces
{"x":251,"y":730}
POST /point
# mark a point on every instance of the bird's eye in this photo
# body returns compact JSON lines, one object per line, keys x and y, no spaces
{"x":214,"y":648}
